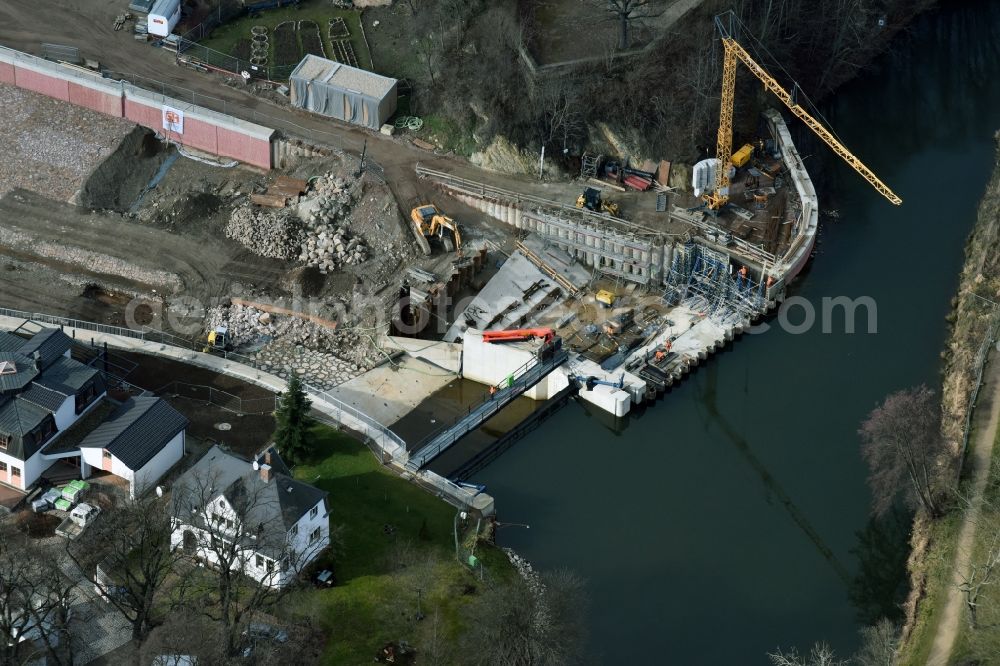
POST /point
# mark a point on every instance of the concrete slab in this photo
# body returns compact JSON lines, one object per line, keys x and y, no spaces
{"x":516,"y":290}
{"x":389,"y":392}
{"x":445,"y":355}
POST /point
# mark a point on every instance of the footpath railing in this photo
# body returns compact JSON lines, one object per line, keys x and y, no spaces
{"x":219,"y":398}
{"x":517,"y":383}
{"x":390,"y":447}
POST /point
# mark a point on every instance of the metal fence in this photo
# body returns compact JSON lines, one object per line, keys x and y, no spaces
{"x":219,"y":398}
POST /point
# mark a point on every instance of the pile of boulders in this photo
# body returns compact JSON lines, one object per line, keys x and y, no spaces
{"x":328,"y":243}
{"x":246,"y":324}
{"x":265,"y":233}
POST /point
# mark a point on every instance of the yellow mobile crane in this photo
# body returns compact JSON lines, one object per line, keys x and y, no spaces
{"x":735,"y":53}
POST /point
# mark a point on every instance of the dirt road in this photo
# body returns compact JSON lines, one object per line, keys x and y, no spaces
{"x":984,"y":427}
{"x":88,"y":26}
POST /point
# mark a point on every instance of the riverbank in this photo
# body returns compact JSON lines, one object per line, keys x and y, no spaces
{"x":937,"y":555}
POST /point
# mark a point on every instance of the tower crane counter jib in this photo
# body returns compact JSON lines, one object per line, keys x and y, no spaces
{"x":734,"y":53}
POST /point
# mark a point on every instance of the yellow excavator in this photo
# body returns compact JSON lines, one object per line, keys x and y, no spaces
{"x":432,"y":223}
{"x":591,"y":199}
{"x":733,"y":55}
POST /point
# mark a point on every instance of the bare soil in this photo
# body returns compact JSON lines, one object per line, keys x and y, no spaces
{"x":248,"y":433}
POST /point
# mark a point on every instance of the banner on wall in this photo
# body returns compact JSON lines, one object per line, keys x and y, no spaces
{"x":173,"y":120}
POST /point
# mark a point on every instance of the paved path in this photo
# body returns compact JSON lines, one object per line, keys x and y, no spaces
{"x":984,"y":426}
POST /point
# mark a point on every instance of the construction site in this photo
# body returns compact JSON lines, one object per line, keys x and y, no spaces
{"x":382,"y":284}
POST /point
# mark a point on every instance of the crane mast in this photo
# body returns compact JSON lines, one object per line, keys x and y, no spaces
{"x":734,"y":54}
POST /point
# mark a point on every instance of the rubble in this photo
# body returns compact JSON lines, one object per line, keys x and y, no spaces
{"x":265,"y":233}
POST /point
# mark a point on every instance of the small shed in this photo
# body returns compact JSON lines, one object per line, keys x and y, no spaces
{"x":337,"y":90}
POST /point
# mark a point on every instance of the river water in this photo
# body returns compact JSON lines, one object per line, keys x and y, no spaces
{"x":724,"y":521}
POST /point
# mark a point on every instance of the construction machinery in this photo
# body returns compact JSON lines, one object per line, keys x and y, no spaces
{"x":591,"y":200}
{"x":733,"y":54}
{"x":218,"y":340}
{"x":605,"y":298}
{"x":519,"y":334}
{"x":432,"y":223}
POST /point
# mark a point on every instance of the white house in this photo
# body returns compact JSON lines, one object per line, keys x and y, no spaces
{"x":250,"y":515}
{"x":43,"y":393}
{"x":44,"y":398}
{"x":140,"y":441}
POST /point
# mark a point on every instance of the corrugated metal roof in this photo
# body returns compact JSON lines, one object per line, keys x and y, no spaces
{"x":43,"y":397}
{"x":50,"y":343}
{"x":10,"y":342}
{"x":66,"y":376}
{"x":16,"y":370}
{"x":17,"y":419}
{"x":137,"y":430}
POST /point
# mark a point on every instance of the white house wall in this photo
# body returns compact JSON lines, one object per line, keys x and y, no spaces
{"x":158,"y":465}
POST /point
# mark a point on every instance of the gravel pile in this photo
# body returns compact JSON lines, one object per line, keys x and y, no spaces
{"x":265,"y":233}
{"x":49,"y":146}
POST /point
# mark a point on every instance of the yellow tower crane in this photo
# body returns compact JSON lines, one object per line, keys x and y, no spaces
{"x":735,"y":53}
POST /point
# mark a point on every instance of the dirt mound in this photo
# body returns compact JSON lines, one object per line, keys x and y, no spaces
{"x":119,"y":179}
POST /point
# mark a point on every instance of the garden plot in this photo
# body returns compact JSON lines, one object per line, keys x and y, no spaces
{"x":312,"y":43}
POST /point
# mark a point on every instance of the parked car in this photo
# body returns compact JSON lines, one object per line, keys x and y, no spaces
{"x":256,"y":631}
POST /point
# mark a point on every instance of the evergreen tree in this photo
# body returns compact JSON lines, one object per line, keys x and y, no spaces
{"x":293,"y":422}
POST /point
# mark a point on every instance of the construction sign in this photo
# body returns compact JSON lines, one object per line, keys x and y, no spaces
{"x":173,"y":120}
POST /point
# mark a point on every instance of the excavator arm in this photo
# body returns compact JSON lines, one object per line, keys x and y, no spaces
{"x":734,"y":53}
{"x":516,"y":334}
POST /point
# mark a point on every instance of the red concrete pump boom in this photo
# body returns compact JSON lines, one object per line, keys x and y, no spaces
{"x":516,"y":334}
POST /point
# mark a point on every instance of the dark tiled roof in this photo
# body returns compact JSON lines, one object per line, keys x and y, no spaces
{"x":137,"y":430}
{"x":10,"y":342}
{"x":50,"y":343}
{"x":67,"y":376}
{"x":276,"y":504}
{"x":276,"y":462}
{"x":43,"y":397}
{"x":17,"y":419}
{"x":24,"y":371}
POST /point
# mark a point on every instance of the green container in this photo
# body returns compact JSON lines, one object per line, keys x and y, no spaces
{"x":473,"y":561}
{"x":63,"y":504}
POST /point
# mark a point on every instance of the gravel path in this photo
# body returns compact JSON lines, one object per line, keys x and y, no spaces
{"x":49,"y":146}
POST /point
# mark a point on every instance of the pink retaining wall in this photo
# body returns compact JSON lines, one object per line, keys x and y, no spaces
{"x":95,"y":99}
{"x":244,"y":148}
{"x":50,"y":86}
{"x":200,"y":134}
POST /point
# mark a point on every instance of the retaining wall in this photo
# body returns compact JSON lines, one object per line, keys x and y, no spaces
{"x":203,"y":129}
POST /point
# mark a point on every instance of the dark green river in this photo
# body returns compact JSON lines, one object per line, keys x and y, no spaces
{"x":723,"y":522}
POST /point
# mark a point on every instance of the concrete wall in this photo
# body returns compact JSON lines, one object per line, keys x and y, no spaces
{"x":204,"y":129}
{"x":490,"y":363}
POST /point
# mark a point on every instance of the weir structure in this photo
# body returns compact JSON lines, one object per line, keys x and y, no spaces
{"x":709,"y":281}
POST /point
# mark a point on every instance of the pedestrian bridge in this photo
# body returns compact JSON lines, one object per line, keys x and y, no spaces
{"x":519,"y":381}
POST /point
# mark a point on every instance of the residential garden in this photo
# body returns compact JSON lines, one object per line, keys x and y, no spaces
{"x":280,"y":38}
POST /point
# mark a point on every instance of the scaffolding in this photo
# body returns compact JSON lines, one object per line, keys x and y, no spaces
{"x":706,"y":280}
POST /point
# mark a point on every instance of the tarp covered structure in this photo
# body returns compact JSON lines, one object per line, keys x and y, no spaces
{"x":340,"y":91}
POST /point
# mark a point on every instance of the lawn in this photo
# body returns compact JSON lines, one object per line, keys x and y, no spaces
{"x":981,"y":644}
{"x":382,"y":572}
{"x":227,"y":37}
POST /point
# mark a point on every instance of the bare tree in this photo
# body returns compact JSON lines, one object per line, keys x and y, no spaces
{"x":34,"y":603}
{"x":530,"y":622}
{"x":820,"y":655}
{"x":238,"y":532}
{"x":626,"y":13}
{"x":127,"y":554}
{"x":878,"y":644}
{"x":902,"y":444}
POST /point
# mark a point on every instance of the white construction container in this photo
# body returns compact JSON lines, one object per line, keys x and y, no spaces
{"x":163,"y":17}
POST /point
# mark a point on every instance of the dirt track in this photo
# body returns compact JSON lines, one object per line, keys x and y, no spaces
{"x":123,"y":256}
